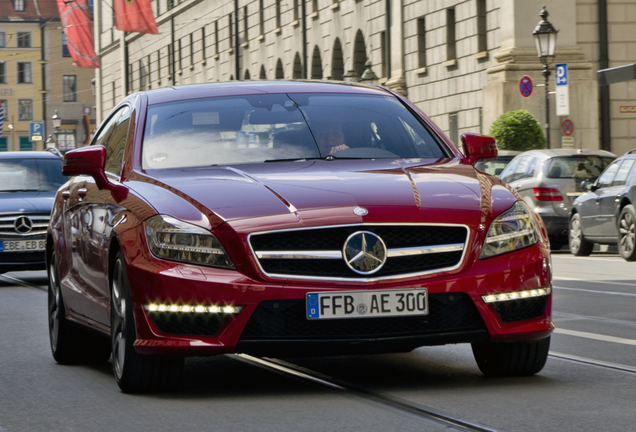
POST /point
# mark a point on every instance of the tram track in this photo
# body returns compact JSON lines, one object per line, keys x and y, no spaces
{"x":303,"y":374}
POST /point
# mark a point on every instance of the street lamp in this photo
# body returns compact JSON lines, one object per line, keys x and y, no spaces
{"x":545,"y":41}
{"x":57,"y":122}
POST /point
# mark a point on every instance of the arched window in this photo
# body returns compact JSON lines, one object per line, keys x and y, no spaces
{"x":359,"y":54}
{"x":337,"y":63}
{"x":316,"y":64}
{"x":298,"y":69}
{"x":279,"y":70}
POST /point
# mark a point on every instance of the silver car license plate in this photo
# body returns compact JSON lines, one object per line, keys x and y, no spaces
{"x":366,"y":304}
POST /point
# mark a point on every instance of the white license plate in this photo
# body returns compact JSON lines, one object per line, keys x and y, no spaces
{"x":22,"y":246}
{"x":366,"y":304}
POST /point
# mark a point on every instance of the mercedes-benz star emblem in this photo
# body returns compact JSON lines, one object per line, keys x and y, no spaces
{"x":23,"y":225}
{"x":364,"y":252}
{"x":360,"y":211}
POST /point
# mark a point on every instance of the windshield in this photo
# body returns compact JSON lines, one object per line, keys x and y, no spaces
{"x":269,"y":128}
{"x":29,"y":174}
{"x":579,"y":167}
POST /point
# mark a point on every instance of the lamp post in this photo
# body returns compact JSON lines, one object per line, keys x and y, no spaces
{"x":57,"y":122}
{"x":545,"y":36}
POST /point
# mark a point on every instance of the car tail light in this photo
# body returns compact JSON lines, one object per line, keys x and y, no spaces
{"x":547,"y":194}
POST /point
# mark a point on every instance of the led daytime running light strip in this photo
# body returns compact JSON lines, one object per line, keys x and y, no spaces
{"x":213,"y":251}
{"x":516,"y":295}
{"x":226,"y":309}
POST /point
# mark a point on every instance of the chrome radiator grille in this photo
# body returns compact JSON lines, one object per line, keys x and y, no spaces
{"x":23,"y":225}
{"x":322,"y":253}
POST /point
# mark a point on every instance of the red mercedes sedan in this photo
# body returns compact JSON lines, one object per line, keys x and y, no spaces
{"x":288,"y":219}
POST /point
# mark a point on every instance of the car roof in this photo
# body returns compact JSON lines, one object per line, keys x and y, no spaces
{"x":549,"y":153}
{"x":237,"y":88}
{"x":28,"y":155}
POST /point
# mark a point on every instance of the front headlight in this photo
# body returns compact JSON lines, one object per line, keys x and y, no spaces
{"x":176,"y":240}
{"x":510,"y":231}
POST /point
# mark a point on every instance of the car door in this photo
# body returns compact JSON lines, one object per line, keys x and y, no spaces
{"x":612,"y":198}
{"x":91,"y":217}
{"x":597,"y":216}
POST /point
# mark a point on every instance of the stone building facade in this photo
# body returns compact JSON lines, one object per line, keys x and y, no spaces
{"x":460,"y":61}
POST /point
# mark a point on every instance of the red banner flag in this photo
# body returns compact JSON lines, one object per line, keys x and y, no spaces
{"x":135,"y":16}
{"x":76,"y":19}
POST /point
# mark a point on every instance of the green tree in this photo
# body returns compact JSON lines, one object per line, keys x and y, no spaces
{"x":517,"y":130}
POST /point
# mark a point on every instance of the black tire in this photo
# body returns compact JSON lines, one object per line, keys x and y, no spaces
{"x":627,"y":233}
{"x":578,"y":245}
{"x":70,"y":344}
{"x":511,"y":358}
{"x":135,"y":373}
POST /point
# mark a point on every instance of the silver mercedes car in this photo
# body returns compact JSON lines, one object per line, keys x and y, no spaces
{"x":550,"y":180}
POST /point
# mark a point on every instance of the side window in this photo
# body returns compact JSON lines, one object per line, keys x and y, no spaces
{"x":605,"y":180}
{"x":623,"y":171}
{"x":106,"y":131}
{"x":632,"y":177}
{"x":521,"y":168}
{"x":532,"y":167}
{"x":506,"y":174}
{"x":117,"y":143}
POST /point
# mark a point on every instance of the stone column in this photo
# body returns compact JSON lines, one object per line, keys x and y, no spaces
{"x":518,"y":57}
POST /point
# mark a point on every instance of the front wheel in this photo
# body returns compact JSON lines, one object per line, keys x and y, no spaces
{"x":70,"y":344}
{"x":511,"y":358}
{"x":627,"y":233}
{"x":578,"y":245}
{"x":135,"y":373}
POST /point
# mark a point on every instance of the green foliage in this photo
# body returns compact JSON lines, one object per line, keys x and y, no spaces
{"x":517,"y":130}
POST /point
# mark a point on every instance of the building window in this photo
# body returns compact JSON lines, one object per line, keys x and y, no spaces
{"x":216,"y":38}
{"x":314,"y":6}
{"x":66,"y":140}
{"x":295,"y":8}
{"x":69,"y":88}
{"x":191,"y":50}
{"x":245,"y":38}
{"x":65,"y":51}
{"x":18,"y":5}
{"x":25,"y":109}
{"x":278,"y":14}
{"x":453,"y":125}
{"x":170,"y":4}
{"x":3,"y":72}
{"x":421,"y":43}
{"x":231,"y":32}
{"x":24,"y":39}
{"x":3,"y":39}
{"x":24,"y":73}
{"x":482,"y":39}
{"x":451,"y":52}
{"x":383,"y":53}
{"x":261,"y":20}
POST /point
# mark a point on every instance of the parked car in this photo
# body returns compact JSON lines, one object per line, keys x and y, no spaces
{"x":496,"y":166}
{"x":606,"y":214}
{"x":286,"y":219}
{"x":28,"y":182}
{"x":550,"y":180}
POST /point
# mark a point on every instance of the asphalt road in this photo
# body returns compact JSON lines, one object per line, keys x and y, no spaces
{"x":588,"y":384}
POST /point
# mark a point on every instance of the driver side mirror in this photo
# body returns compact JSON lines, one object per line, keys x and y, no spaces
{"x":478,"y":147}
{"x":589,"y":185}
{"x":90,"y":161}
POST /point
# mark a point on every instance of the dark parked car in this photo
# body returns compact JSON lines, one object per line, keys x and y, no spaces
{"x":606,"y":214}
{"x":285,"y":219}
{"x":28,"y":183}
{"x":550,"y":180}
{"x":496,"y":166}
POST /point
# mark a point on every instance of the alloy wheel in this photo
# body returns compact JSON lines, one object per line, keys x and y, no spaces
{"x":627,"y":229}
{"x":575,"y":234}
{"x":119,"y":321}
{"x":54,"y":303}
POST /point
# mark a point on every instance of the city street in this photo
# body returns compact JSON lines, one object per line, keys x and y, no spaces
{"x":588,"y":383}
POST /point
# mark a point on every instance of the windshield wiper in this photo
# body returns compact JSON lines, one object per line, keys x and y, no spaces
{"x":21,"y":190}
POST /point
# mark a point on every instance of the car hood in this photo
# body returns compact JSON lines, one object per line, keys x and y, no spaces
{"x":445,"y":189}
{"x":26,"y":202}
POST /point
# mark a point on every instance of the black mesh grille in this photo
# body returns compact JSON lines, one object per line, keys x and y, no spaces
{"x":333,"y":239}
{"x":287,"y":320}
{"x":188,"y":323}
{"x":522,"y":309}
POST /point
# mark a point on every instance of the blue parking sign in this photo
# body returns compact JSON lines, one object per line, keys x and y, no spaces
{"x":36,"y":130}
{"x":561,"y":77}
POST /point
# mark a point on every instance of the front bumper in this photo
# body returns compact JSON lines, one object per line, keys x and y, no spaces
{"x":272,"y":320}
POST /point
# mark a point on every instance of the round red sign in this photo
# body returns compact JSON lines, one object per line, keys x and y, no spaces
{"x":525,"y":86}
{"x":567,"y":126}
